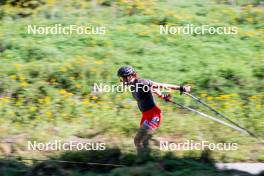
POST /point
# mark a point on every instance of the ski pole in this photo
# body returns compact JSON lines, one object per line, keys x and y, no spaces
{"x":220,"y":114}
{"x":211,"y":117}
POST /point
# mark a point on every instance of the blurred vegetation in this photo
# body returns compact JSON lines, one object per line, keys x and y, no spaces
{"x":46,"y":80}
{"x":130,"y":165}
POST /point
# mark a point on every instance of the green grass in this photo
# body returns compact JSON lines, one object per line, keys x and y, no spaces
{"x":46,"y":80}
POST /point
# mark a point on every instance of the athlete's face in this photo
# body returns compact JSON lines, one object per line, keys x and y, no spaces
{"x":128,"y":79}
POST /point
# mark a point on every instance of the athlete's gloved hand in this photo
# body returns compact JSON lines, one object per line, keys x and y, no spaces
{"x":166,"y":97}
{"x":185,"y":88}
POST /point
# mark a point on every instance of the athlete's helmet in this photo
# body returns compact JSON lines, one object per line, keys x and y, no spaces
{"x":125,"y":71}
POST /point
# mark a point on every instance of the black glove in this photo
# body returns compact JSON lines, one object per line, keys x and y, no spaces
{"x":182,"y":89}
{"x":166,"y":97}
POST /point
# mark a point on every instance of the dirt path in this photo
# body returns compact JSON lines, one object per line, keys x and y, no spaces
{"x":252,"y":168}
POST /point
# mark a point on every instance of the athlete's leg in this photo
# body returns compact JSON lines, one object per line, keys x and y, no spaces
{"x":141,"y":141}
{"x":149,"y":122}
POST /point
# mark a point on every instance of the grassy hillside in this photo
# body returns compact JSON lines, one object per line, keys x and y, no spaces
{"x":46,"y":80}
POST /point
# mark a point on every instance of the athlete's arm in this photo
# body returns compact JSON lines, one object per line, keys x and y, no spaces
{"x":159,"y":94}
{"x":166,"y":86}
{"x":170,"y":86}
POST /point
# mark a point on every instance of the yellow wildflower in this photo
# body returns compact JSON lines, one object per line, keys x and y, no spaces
{"x":33,"y":108}
{"x":78,"y":85}
{"x":5,"y":99}
{"x":253,"y":97}
{"x":209,"y":98}
{"x":18,"y":66}
{"x":49,"y":114}
{"x":85,"y":102}
{"x":233,"y":94}
{"x":203,"y":94}
{"x":22,"y":77}
{"x":94,"y":97}
{"x":62,"y":91}
{"x":223,"y":97}
{"x":24,"y":84}
{"x":47,"y":99}
{"x":258,"y":106}
{"x":63,"y":69}
{"x":69,"y":94}
{"x":99,"y":62}
{"x":14,"y":77}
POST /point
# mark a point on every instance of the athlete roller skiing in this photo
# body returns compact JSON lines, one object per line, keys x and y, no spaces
{"x":142,"y":90}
